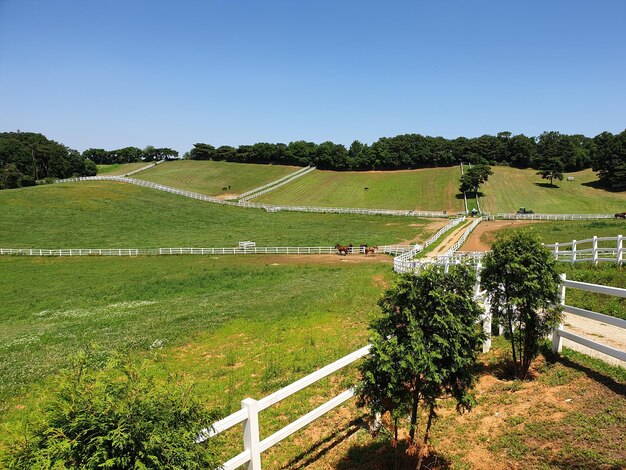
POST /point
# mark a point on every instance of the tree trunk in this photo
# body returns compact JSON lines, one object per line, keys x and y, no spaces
{"x":416,"y":396}
{"x":513,"y":344}
{"x":431,"y":415}
{"x":395,"y":437}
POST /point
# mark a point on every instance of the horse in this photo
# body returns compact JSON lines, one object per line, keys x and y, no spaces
{"x":370,"y":249}
{"x":621,"y":215}
{"x":362,"y":247}
{"x":342,"y":250}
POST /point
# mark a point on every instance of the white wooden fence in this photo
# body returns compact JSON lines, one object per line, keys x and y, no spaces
{"x":514,"y":216}
{"x":267,"y":207}
{"x":249,"y":415}
{"x":147,"y":167}
{"x":405,"y":263}
{"x":595,"y":250}
{"x":275,"y":185}
{"x":463,"y":238}
{"x":245,"y":249}
{"x":261,"y":188}
{"x":560,"y":332}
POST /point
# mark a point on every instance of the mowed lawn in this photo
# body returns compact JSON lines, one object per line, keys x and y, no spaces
{"x":508,"y":189}
{"x":118,"y":215}
{"x":208,"y":177}
{"x":117,"y":169}
{"x":425,"y":189}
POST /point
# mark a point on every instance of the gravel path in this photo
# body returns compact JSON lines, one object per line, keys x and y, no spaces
{"x":595,"y":331}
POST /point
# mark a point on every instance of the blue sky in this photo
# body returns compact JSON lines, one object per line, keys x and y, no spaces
{"x":116,"y":73}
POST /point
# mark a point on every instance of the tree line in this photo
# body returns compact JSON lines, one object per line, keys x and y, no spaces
{"x":27,"y":157}
{"x":550,"y":150}
{"x":129,"y":155}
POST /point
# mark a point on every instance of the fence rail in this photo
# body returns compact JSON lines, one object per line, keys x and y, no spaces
{"x":250,"y":409}
{"x":261,"y":188}
{"x":241,"y":250}
{"x":514,"y":216}
{"x":571,"y":252}
{"x":404,"y":263}
{"x":559,"y":333}
{"x":463,"y":238}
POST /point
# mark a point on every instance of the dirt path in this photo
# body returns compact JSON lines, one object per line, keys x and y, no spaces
{"x":450,"y":240}
{"x":595,"y":331}
{"x":484,"y":234}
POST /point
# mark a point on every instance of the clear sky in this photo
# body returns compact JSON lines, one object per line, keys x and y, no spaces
{"x":115,"y":73}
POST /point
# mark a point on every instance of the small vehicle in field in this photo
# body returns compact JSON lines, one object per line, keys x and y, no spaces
{"x":523,"y":210}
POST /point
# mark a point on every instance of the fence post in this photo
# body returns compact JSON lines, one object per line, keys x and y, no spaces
{"x":556,"y":251}
{"x":251,"y":433}
{"x":595,"y":250}
{"x":573,"y":251}
{"x":557,"y":341}
{"x":619,"y":249}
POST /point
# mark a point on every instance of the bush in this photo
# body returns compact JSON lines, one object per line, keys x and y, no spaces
{"x":118,"y":418}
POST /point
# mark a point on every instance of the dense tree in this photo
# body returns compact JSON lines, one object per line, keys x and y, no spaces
{"x":609,"y":159}
{"x":552,"y":170}
{"x":424,"y":347}
{"x":523,"y":285}
{"x":26,"y":157}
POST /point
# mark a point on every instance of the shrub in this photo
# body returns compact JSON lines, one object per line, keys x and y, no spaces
{"x":523,"y":285}
{"x":424,"y":346}
{"x":118,"y":418}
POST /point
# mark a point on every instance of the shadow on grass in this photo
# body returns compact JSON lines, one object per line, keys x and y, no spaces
{"x":318,"y":450}
{"x":598,"y":185}
{"x":596,"y":375}
{"x":546,"y":185}
{"x":380,"y":455}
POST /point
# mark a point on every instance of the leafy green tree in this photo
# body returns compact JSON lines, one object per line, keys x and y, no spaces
{"x":474,"y":178}
{"x":521,"y":279}
{"x":424,"y":347}
{"x":117,"y":419}
{"x":609,"y":158}
{"x":552,"y":170}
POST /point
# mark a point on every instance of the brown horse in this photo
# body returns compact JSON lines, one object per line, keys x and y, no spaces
{"x":370,"y":249}
{"x":342,"y":250}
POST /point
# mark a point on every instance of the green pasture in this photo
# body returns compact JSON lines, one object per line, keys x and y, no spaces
{"x":564,"y":232}
{"x":427,"y":189}
{"x":209,"y":177}
{"x":117,"y":169}
{"x":237,"y":326}
{"x":118,"y":215}
{"x":508,"y":189}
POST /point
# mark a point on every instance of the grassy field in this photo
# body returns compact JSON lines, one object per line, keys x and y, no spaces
{"x":194,"y":317}
{"x":508,"y":189}
{"x":245,"y":325}
{"x":118,"y":215}
{"x":428,"y":189}
{"x":119,"y":168}
{"x":208,"y":177}
{"x":563,"y":232}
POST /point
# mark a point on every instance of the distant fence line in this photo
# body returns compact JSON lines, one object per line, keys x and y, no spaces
{"x":514,"y":216}
{"x":267,"y":207}
{"x":274,"y":184}
{"x":143,"y":168}
{"x":254,"y":250}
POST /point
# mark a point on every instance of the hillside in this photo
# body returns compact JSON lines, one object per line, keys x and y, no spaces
{"x":426,"y":189}
{"x":508,"y":189}
{"x":210,"y":178}
{"x":118,"y":215}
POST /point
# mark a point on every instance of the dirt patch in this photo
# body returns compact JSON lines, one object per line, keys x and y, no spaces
{"x":227,"y":196}
{"x":379,"y":281}
{"x":433,"y":226}
{"x":484,"y":234}
{"x":277,"y":260}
